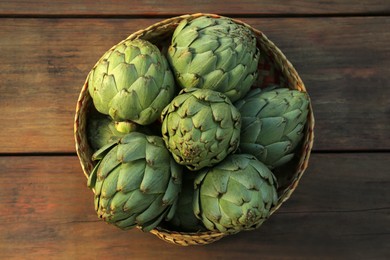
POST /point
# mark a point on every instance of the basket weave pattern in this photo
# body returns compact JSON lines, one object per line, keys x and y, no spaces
{"x":273,"y":68}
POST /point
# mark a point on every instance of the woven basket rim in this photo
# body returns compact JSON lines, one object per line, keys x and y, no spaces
{"x":287,"y":69}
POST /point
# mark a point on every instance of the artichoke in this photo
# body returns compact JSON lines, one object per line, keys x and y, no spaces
{"x":216,"y":54}
{"x":136,"y":182}
{"x":132,"y":82}
{"x":236,"y":194}
{"x":101,"y":130}
{"x":273,"y":121}
{"x":200,"y":127}
{"x":184,"y":218}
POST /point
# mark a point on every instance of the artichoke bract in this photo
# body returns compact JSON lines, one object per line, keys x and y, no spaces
{"x":236,"y":194}
{"x":132,"y":82}
{"x":184,"y":218}
{"x":214,"y":53}
{"x":101,"y":131}
{"x":136,"y":182}
{"x":273,"y":121}
{"x":200,"y":127}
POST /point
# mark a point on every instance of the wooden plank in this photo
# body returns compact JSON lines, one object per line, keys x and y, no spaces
{"x":176,"y":7}
{"x":340,"y":210}
{"x":344,"y":63}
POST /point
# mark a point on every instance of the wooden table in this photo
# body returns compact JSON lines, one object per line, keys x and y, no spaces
{"x":340,"y":49}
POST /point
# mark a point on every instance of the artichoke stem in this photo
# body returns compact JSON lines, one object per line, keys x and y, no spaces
{"x":125,"y":127}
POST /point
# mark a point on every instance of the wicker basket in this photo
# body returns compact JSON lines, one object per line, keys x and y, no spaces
{"x":273,"y":68}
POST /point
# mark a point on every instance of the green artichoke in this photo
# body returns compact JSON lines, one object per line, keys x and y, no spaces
{"x":236,"y":194}
{"x":132,"y":82}
{"x":216,"y":54}
{"x":136,"y":182}
{"x":184,"y":218}
{"x":273,"y":121}
{"x":101,"y":130}
{"x":200,"y":127}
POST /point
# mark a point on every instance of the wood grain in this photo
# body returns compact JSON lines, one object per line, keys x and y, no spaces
{"x":340,"y":210}
{"x":176,"y":7}
{"x":344,"y":63}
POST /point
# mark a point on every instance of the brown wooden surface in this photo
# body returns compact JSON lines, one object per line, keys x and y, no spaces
{"x":178,"y":7}
{"x":338,"y":212}
{"x":341,"y":207}
{"x":344,"y":62}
